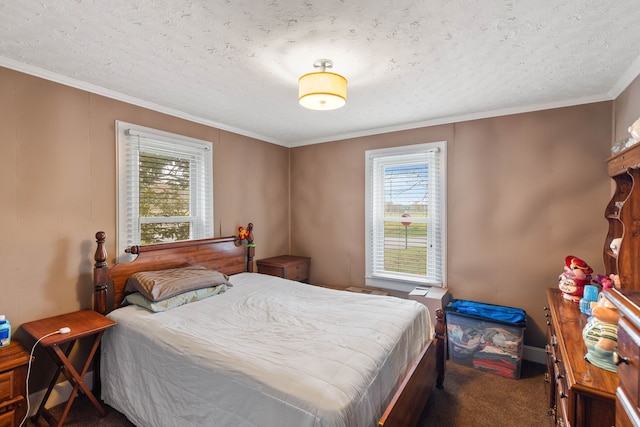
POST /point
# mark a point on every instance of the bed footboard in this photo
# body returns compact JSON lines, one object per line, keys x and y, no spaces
{"x":405,"y":409}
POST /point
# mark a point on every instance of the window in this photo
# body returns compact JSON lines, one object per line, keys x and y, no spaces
{"x":165,"y":187}
{"x":405,"y":216}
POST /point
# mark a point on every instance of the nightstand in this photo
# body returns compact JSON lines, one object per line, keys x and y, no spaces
{"x":83,"y":324}
{"x":13,"y":374}
{"x":286,"y":266}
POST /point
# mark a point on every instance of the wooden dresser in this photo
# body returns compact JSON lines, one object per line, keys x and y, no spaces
{"x":628,"y":356}
{"x":286,"y":266}
{"x":13,"y":372}
{"x":580,"y":394}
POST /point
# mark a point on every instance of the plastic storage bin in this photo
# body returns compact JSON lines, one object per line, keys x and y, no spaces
{"x":486,"y":336}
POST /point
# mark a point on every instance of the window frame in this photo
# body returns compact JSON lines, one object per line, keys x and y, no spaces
{"x":200,"y":154}
{"x":437,"y":179}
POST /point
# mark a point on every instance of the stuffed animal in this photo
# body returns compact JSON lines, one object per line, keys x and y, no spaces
{"x":243,"y":233}
{"x":608,"y":282}
{"x":615,"y":246}
{"x":600,"y":334}
{"x":577,"y":274}
{"x":634,"y":130}
{"x":246,"y":234}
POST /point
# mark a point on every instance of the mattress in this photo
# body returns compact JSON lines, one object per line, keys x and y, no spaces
{"x":266,"y":352}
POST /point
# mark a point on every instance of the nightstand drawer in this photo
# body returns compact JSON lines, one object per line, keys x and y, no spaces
{"x":298,"y":272}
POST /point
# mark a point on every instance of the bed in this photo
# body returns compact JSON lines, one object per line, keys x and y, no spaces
{"x":261,"y":350}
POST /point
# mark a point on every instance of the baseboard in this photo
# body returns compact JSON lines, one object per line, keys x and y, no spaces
{"x":59,"y":394}
{"x":534,"y":354}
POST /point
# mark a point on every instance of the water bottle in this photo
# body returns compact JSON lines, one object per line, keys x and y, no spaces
{"x":5,"y":331}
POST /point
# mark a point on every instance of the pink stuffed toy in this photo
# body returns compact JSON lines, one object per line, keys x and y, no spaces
{"x":608,"y":282}
{"x":577,"y":274}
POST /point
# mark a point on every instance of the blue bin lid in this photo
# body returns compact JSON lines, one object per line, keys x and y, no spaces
{"x":489,"y":311}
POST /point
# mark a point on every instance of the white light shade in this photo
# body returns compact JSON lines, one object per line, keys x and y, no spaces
{"x":322,"y":91}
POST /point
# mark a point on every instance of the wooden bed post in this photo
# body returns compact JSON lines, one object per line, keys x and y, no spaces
{"x":441,"y":335}
{"x":251,"y":248}
{"x":100,"y":275}
{"x":100,"y":281}
{"x":251,"y":252}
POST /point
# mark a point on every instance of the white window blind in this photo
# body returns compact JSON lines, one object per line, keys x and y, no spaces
{"x":165,"y":187}
{"x":405,"y":217}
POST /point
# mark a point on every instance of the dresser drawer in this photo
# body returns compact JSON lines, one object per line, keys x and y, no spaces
{"x":13,"y":373}
{"x":6,"y":386}
{"x":629,"y":349}
{"x":8,"y":419}
{"x":562,"y":400}
{"x":625,"y":410}
{"x":562,"y":390}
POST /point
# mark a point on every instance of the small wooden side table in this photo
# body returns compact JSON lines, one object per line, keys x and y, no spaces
{"x":286,"y":266}
{"x":84,"y":323}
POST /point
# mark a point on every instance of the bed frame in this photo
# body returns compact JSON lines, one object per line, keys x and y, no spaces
{"x":231,"y":255}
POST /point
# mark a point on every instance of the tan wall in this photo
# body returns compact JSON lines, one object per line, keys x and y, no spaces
{"x":524,"y":191}
{"x":58,"y":187}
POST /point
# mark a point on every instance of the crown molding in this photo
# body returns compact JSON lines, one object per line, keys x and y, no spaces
{"x":621,"y":84}
{"x":460,"y":118}
{"x":118,"y":96}
{"x":626,"y":79}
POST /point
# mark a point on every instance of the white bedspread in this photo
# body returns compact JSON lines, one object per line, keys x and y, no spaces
{"x":267,"y":352}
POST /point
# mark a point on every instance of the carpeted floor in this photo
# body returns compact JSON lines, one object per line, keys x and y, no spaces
{"x":478,"y":399}
{"x":470,"y":398}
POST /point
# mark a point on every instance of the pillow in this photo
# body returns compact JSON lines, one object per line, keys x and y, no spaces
{"x":163,"y":284}
{"x":174,"y":301}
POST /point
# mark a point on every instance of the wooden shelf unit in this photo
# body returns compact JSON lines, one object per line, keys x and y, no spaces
{"x":623,"y":217}
{"x":622,"y":214}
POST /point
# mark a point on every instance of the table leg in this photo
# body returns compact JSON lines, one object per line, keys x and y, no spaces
{"x":41,"y":408}
{"x":74,"y":378}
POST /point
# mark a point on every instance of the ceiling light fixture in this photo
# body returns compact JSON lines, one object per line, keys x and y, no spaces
{"x":322,"y":90}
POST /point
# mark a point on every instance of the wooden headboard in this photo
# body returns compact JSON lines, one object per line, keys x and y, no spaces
{"x":225,"y":254}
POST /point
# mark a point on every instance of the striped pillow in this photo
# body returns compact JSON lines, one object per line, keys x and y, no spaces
{"x":162,"y":284}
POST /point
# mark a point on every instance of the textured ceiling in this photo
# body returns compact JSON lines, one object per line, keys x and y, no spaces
{"x":235,"y":64}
